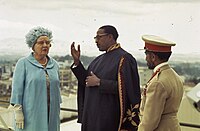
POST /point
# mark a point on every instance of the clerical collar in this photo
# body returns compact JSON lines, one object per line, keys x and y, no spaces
{"x":112,"y":47}
{"x":160,"y":65}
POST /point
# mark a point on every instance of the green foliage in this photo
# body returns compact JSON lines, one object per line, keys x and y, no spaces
{"x":86,"y":60}
{"x":190,"y":70}
{"x":63,"y":58}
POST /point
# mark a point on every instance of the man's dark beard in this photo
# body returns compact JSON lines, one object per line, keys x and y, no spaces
{"x":151,"y":66}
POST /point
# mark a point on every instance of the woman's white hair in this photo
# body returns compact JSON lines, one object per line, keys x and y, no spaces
{"x":35,"y":33}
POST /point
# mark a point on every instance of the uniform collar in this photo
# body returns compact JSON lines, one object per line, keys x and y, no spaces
{"x":159,"y":66}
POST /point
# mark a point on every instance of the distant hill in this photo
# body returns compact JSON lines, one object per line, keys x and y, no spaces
{"x":14,"y":48}
{"x":193,"y":57}
{"x":186,"y":58}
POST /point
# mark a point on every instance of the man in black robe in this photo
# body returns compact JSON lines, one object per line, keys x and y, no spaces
{"x":108,"y":91}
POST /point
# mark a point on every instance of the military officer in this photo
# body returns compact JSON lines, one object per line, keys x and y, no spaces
{"x":163,"y":93}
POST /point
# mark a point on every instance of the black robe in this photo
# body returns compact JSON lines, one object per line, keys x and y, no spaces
{"x":114,"y":105}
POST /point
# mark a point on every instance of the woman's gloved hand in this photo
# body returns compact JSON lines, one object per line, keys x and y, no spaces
{"x":19,"y":116}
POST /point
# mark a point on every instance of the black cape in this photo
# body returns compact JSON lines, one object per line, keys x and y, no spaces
{"x":114,"y":105}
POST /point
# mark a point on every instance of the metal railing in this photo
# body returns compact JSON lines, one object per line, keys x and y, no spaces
{"x":189,"y":125}
{"x":4,"y":126}
{"x":75,"y":117}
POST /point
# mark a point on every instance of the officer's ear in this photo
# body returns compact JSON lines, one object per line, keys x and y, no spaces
{"x":152,"y":55}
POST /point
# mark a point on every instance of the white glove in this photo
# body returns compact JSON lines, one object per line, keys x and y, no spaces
{"x":19,"y":116}
{"x":10,"y":107}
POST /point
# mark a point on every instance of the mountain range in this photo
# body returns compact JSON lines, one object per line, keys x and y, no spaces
{"x":14,"y":48}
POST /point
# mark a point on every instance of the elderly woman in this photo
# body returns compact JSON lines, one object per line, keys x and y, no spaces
{"x":36,"y":89}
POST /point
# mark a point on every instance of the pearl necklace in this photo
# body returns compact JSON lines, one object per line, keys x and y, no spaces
{"x":44,"y":62}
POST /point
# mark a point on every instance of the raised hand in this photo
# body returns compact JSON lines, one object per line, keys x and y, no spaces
{"x":75,"y":53}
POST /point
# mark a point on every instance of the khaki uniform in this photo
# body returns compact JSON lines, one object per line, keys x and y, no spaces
{"x":160,"y":105}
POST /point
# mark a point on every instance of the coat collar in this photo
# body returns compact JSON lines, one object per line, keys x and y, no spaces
{"x":164,"y":67}
{"x":32,"y":60}
{"x":159,"y":66}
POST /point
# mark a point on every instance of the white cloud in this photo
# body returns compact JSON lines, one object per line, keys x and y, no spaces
{"x":78,"y":20}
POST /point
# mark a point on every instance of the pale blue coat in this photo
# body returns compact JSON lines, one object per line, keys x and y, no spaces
{"x":29,"y":89}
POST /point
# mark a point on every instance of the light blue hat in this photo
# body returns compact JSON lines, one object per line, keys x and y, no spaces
{"x":35,"y":33}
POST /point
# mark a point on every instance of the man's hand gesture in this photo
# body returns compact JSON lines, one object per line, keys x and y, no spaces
{"x":75,"y":53}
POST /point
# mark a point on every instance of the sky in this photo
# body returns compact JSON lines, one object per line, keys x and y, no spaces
{"x":78,"y":20}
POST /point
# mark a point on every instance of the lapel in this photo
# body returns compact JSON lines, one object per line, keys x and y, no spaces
{"x":33,"y":61}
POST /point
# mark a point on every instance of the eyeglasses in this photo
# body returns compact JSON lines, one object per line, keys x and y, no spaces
{"x":100,"y":35}
{"x":42,"y":43}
